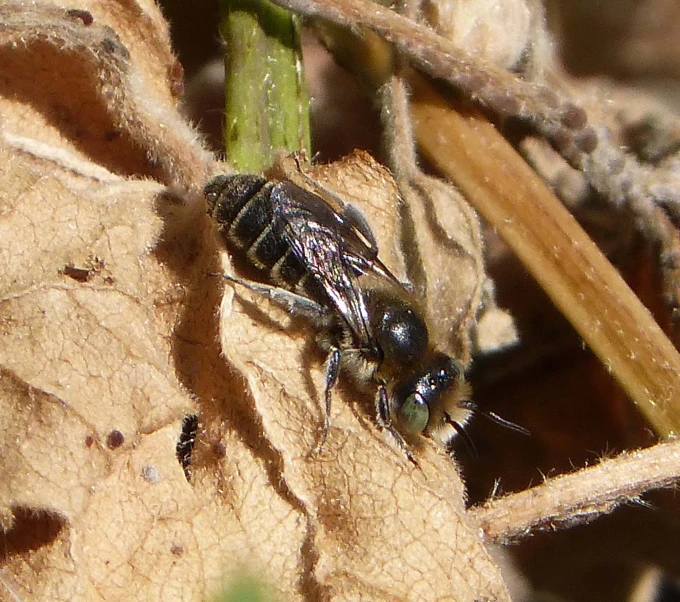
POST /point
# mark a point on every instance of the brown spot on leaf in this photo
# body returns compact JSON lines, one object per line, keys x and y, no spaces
{"x":115,"y":439}
{"x":76,"y":273}
{"x":177,"y":550}
{"x":220,"y":450}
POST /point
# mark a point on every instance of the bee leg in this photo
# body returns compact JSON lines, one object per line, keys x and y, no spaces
{"x":382,"y":409}
{"x":332,"y":373}
{"x":353,"y":216}
{"x":291,"y":302}
{"x":350,"y":213}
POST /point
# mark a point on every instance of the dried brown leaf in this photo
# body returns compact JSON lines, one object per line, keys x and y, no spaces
{"x":108,"y":320}
{"x":499,"y":31}
{"x":444,"y":232}
{"x":86,"y":373}
{"x":91,"y":405}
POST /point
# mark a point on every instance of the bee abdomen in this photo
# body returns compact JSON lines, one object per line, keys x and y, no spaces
{"x":227,"y":196}
{"x":242,"y":208}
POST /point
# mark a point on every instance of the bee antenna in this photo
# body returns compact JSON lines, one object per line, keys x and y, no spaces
{"x":470,"y":405}
{"x":463,"y":434}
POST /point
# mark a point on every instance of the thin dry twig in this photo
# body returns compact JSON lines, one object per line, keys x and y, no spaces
{"x":424,"y":196}
{"x":576,"y":498}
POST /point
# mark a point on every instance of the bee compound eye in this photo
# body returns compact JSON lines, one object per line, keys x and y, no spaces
{"x":414,"y":414}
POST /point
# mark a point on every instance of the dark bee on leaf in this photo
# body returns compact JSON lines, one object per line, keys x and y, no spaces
{"x":320,"y":261}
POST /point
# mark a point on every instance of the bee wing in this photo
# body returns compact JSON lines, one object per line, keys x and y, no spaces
{"x":333,"y":251}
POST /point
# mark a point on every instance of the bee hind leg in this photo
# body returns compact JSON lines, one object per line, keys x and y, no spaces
{"x":304,"y":307}
{"x":357,"y":220}
{"x":295,"y":304}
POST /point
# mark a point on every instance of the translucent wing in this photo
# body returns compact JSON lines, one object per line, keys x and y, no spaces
{"x":332,"y":249}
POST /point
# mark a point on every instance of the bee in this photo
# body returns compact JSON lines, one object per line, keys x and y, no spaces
{"x":320,"y":261}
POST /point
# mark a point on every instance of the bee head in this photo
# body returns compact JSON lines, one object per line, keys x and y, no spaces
{"x":427,"y":402}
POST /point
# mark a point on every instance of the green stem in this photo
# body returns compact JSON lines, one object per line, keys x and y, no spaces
{"x":267,"y":109}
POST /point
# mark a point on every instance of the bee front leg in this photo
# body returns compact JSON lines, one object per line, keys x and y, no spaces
{"x":382,"y":410}
{"x":332,"y":373}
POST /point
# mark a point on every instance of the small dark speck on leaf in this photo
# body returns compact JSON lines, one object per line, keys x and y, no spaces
{"x":177,"y":550}
{"x":115,"y":439}
{"x":186,"y":441}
